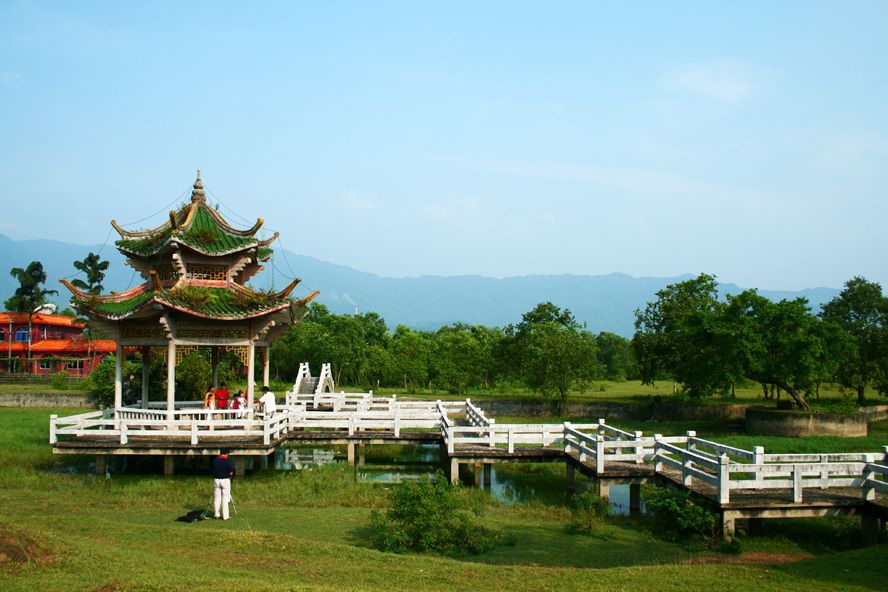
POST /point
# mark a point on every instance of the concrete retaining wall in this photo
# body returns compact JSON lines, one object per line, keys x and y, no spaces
{"x":44,"y":400}
{"x":613,"y":411}
{"x":775,"y":422}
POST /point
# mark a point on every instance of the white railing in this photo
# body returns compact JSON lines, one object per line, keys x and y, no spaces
{"x":872,"y":483}
{"x":726,"y":468}
{"x":187,"y":424}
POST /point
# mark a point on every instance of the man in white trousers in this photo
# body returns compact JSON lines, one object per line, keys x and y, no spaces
{"x":223,"y":471}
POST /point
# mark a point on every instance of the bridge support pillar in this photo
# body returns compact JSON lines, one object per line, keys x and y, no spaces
{"x":477,"y":472}
{"x":871,"y":528}
{"x":602,"y":488}
{"x":571,"y":481}
{"x":351,"y":454}
{"x":634,"y":499}
{"x":488,"y":475}
{"x":728,"y":520}
{"x":100,"y":464}
{"x":169,"y":465}
{"x":361,"y":452}
{"x":454,"y":470}
{"x":240,"y":466}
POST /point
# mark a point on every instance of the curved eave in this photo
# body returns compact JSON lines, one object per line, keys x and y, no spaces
{"x":185,"y":243}
{"x":232,"y":317}
{"x":223,"y":223}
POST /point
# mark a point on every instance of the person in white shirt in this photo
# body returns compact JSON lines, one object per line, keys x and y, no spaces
{"x":269,"y":404}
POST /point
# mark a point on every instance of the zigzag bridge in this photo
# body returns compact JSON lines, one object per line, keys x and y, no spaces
{"x":741,"y":484}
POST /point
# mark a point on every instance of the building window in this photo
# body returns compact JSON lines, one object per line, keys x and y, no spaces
{"x":74,"y":365}
{"x":22,"y":335}
{"x":2,"y":335}
{"x":45,"y":365}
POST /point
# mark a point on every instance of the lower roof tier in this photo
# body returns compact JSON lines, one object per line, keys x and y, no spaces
{"x":231,"y":303}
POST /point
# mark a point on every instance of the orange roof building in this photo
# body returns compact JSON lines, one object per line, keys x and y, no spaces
{"x":57,"y":343}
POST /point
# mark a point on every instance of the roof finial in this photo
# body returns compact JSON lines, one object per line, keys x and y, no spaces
{"x":198,"y":195}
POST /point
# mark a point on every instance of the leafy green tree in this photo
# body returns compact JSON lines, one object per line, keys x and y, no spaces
{"x":410,"y":357}
{"x":94,"y":270}
{"x":707,"y":344}
{"x":193,"y":376}
{"x":678,"y":335}
{"x":457,"y":358}
{"x":615,"y":356}
{"x":549,"y":352}
{"x":862,"y":312}
{"x":29,"y":296}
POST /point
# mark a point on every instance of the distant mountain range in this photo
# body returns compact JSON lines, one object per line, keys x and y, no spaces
{"x":603,"y":302}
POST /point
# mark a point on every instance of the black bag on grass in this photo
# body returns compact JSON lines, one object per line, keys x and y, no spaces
{"x":193,"y":516}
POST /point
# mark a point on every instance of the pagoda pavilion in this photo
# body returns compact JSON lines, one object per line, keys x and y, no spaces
{"x":194,"y":296}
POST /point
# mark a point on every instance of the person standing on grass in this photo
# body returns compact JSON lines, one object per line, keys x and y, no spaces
{"x":223,"y":471}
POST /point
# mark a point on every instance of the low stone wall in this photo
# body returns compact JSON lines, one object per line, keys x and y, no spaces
{"x":613,"y":411}
{"x":44,"y":400}
{"x":875,"y":412}
{"x":776,"y":422}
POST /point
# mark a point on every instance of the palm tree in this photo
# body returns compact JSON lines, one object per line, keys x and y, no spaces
{"x":29,"y":296}
{"x":94,"y":269}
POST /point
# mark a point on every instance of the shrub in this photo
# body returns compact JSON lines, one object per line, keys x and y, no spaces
{"x":679,"y":519}
{"x":101,"y":380}
{"x":59,"y":381}
{"x":429,"y":515}
{"x":587,"y":510}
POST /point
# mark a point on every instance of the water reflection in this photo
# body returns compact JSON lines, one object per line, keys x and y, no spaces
{"x":511,"y":483}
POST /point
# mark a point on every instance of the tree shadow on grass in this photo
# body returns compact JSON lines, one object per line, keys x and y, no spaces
{"x":861,"y":567}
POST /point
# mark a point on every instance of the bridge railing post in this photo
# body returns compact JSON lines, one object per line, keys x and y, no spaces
{"x":599,"y":455}
{"x":449,"y":435}
{"x":509,"y":442}
{"x":491,"y":433}
{"x":193,"y":431}
{"x":123,"y":433}
{"x":53,"y":438}
{"x":824,"y":471}
{"x":724,"y":479}
{"x":869,"y":491}
{"x":689,"y":445}
{"x":601,"y":424}
{"x":565,"y":446}
{"x":658,"y":464}
{"x":639,"y":448}
{"x":759,"y":460}
{"x":796,"y":484}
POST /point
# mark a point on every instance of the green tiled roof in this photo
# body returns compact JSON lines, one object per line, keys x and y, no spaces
{"x":114,"y":309}
{"x":220,"y":303}
{"x":203,"y":234}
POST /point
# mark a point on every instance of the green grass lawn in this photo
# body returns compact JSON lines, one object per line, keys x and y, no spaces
{"x":61,"y":529}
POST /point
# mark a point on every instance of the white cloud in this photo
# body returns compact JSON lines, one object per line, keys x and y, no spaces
{"x":720,"y":80}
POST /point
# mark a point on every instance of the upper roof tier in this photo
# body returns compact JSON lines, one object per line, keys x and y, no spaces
{"x":196,"y":226}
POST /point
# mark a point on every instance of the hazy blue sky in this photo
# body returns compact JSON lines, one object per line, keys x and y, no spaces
{"x":744,"y":139}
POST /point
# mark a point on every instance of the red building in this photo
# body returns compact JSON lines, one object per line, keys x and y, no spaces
{"x":57,"y":343}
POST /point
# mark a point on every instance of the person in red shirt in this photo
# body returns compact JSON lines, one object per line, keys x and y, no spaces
{"x":222,"y":397}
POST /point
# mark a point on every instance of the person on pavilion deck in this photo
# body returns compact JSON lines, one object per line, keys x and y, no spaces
{"x":222,"y":397}
{"x":269,"y":403}
{"x":210,"y":398}
{"x":223,"y":471}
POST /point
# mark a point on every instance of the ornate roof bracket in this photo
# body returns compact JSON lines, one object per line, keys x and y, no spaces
{"x":168,"y":325}
{"x":174,"y":224}
{"x":177,"y":261}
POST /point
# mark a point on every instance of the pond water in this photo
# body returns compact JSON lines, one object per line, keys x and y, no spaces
{"x":511,"y":483}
